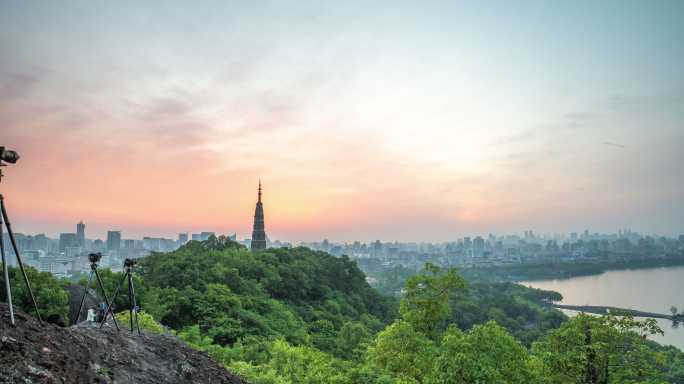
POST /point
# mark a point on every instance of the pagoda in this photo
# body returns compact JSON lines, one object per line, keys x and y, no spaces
{"x":258,"y":233}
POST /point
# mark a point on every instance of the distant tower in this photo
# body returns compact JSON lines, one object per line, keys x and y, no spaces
{"x":258,"y":233}
{"x":80,"y":234}
{"x":113,"y":240}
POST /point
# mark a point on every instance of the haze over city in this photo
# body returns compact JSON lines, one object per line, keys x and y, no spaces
{"x":416,"y":122}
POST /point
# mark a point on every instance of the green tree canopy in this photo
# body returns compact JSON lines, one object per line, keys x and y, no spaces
{"x":484,"y":354}
{"x":607,"y":349}
{"x":50,"y":292}
{"x":403,"y":351}
{"x":425,"y":304}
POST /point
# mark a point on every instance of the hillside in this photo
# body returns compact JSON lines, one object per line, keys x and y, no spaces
{"x":303,"y":296}
{"x":36,"y":353}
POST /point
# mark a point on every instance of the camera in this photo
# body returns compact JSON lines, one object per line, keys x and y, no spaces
{"x":94,"y":257}
{"x":128,"y":263}
{"x":8,"y":156}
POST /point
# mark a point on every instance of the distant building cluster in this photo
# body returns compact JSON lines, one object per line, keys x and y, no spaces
{"x":67,"y":255}
{"x":496,"y":250}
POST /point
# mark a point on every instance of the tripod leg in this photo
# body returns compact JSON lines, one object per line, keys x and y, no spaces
{"x":80,"y":306}
{"x":130,"y":297}
{"x":16,"y":252}
{"x":5,"y":272}
{"x":135,"y":304}
{"x":116,"y":294}
{"x":104,"y":293}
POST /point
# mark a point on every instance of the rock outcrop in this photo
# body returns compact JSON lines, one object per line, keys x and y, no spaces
{"x":31,"y":352}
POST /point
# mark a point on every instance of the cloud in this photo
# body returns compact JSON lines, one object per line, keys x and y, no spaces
{"x":16,"y":85}
{"x":613,"y":144}
{"x":518,"y":138}
{"x":579,"y":119}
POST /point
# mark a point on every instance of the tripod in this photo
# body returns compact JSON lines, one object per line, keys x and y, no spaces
{"x":128,"y":276}
{"x":93,"y":271}
{"x":13,"y":241}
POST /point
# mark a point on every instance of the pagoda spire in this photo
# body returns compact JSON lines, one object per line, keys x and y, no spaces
{"x":258,"y":232}
{"x":259,"y":190}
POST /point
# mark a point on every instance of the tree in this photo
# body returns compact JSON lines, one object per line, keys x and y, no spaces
{"x":425,"y":304}
{"x":606,"y":349}
{"x":323,"y":335}
{"x":674,"y":310}
{"x":352,"y":337}
{"x":294,"y":365}
{"x":402,"y":351}
{"x":50,"y":292}
{"x":145,"y":321}
{"x":484,"y":354}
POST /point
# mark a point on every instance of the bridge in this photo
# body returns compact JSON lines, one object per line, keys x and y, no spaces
{"x":602,"y":310}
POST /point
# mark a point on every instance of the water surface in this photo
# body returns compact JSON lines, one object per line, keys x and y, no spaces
{"x":653,"y":290}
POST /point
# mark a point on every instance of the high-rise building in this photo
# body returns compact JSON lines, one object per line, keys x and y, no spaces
{"x":41,"y":242}
{"x":377,"y":248}
{"x":113,"y":240}
{"x":478,"y":244}
{"x":72,"y":252}
{"x":182,"y":238}
{"x":80,"y":234}
{"x":67,"y":240}
{"x":258,"y":232}
{"x":206,"y":235}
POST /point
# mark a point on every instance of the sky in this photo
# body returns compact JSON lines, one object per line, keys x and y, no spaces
{"x":392,"y":120}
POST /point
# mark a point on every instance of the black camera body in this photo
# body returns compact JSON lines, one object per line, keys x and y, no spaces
{"x":128,"y":263}
{"x":8,"y":156}
{"x":94,"y":257}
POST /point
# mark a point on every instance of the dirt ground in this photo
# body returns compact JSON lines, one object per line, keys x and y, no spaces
{"x":35,"y":353}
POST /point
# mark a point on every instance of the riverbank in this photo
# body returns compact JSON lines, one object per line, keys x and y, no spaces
{"x":604,"y":310}
{"x":645,"y":291}
{"x":566,"y":270}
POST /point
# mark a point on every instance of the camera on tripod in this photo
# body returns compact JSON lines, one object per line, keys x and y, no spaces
{"x":94,"y":257}
{"x":11,"y":157}
{"x":133,"y":308}
{"x":8,"y":156}
{"x":129,"y":263}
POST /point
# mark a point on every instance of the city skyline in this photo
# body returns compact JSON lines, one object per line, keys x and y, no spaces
{"x":415,"y":122}
{"x":184,"y":236}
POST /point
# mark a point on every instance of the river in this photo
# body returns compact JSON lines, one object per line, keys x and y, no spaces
{"x":653,"y":290}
